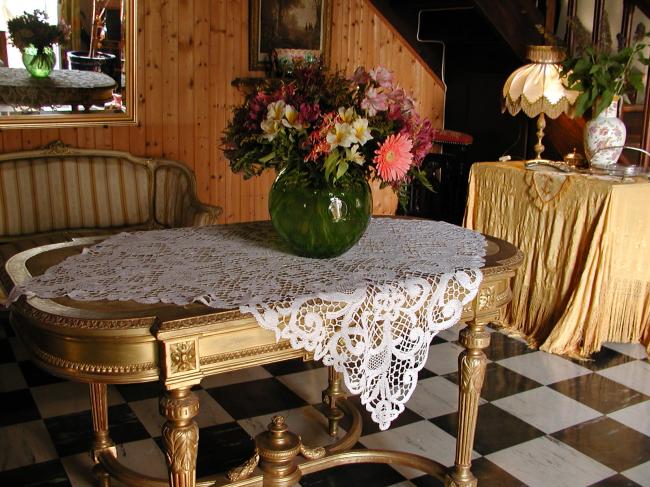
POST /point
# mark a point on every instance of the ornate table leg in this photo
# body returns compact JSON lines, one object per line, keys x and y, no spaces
{"x":471,"y":365}
{"x":330,"y":395}
{"x":102,"y":440}
{"x":180,"y":435}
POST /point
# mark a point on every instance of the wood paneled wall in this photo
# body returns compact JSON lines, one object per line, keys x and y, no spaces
{"x":188,"y":52}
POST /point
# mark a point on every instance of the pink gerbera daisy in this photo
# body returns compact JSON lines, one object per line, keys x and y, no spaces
{"x":393,"y":158}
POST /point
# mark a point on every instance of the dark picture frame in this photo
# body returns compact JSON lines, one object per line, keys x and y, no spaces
{"x":288,"y":24}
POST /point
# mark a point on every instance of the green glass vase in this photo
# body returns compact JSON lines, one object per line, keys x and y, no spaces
{"x":39,"y":63}
{"x":319,"y":222}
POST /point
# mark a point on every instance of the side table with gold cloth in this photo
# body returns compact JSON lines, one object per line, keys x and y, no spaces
{"x":586,"y":239}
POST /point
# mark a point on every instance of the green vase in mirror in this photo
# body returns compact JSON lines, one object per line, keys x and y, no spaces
{"x":321,"y":221}
{"x":39,"y":63}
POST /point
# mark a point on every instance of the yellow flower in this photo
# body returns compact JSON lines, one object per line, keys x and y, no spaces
{"x":353,"y":154}
{"x":360,"y":131}
{"x":346,"y":115}
{"x":291,"y":118}
{"x":275,"y":110}
{"x":342,"y":136}
{"x":270,"y":128}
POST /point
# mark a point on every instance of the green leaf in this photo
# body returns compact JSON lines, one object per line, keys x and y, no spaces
{"x":330,"y":164}
{"x":604,"y":102}
{"x":424,"y":181}
{"x":342,"y":169}
{"x":582,"y":103}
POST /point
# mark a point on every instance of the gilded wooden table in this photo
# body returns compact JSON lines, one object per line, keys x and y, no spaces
{"x":124,"y":343}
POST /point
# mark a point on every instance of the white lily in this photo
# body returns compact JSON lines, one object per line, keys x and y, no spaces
{"x":342,"y":136}
{"x":353,"y":154}
{"x":275,"y":110}
{"x":270,"y":128}
{"x":291,"y":118}
{"x":346,"y":115}
{"x":360,"y":131}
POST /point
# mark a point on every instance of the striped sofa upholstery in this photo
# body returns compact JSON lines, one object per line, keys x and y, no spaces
{"x":58,"y":193}
{"x":62,"y":188}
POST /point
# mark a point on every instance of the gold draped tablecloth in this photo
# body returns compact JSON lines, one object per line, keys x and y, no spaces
{"x":586,"y":239}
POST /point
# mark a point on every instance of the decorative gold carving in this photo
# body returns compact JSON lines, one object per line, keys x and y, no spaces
{"x":183,"y":356}
{"x":312,"y":453}
{"x":208,"y":319}
{"x":245,"y":469}
{"x":107,"y":369}
{"x":180,"y":435}
{"x":330,"y":396}
{"x":247,"y":352}
{"x":473,"y":339}
{"x":472,"y":373}
{"x":41,"y":317}
{"x":181,"y":444}
{"x":58,"y":148}
{"x":486,"y":298}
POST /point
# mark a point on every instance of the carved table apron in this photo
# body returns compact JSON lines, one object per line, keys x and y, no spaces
{"x":124,"y":343}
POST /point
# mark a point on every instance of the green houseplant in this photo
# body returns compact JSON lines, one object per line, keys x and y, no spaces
{"x":35,"y":36}
{"x":602,"y":75}
{"x":326,"y":135}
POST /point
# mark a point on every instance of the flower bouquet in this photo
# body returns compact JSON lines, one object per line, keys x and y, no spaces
{"x":326,"y":135}
{"x":34,"y":36}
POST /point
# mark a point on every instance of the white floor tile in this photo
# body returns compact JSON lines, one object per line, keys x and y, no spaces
{"x":243,"y":375}
{"x":546,"y":409}
{"x":443,"y":358}
{"x":308,"y":384}
{"x":210,"y":413}
{"x":422,"y":438}
{"x":11,"y":378}
{"x":640,"y":474}
{"x":306,"y":421}
{"x":545,"y":462}
{"x":68,"y":397}
{"x":635,"y":350}
{"x":434,"y":397}
{"x":24,"y":444}
{"x":451,"y":334}
{"x":632,"y":374}
{"x":636,"y":417}
{"x":543,"y":367}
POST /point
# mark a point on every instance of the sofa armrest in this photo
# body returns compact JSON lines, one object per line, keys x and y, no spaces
{"x":199,"y":214}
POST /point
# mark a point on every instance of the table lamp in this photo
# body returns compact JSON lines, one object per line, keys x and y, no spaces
{"x":537,"y":89}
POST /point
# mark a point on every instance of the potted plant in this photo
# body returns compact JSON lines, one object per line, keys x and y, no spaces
{"x":603,"y":78}
{"x":326,"y":135}
{"x":35,"y":36}
{"x":93,"y":59}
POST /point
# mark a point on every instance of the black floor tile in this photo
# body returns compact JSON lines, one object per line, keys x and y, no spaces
{"x":604,"y":359}
{"x":500,"y":382}
{"x":368,"y":426}
{"x":599,"y":393}
{"x":73,"y":433}
{"x":221,"y":448}
{"x":608,"y":442}
{"x":427,"y":481}
{"x":292,"y":366}
{"x":46,"y":474}
{"x":138,"y":392}
{"x":425,"y":374}
{"x":495,"y":430}
{"x":17,"y":407}
{"x":502,"y":346}
{"x":255,"y":398}
{"x":364,"y":474}
{"x":436,"y":340}
{"x":35,"y":376}
{"x":616,"y":481}
{"x":6,"y":353}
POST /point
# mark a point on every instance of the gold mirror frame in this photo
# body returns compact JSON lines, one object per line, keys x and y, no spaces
{"x":130,"y":117}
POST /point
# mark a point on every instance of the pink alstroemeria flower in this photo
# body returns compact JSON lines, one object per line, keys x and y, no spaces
{"x":375,"y":101}
{"x":382,"y":76}
{"x":393,"y":158}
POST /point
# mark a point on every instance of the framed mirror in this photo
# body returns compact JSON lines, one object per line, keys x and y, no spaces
{"x":93,"y":81}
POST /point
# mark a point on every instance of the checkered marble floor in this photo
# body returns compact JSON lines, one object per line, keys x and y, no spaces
{"x":543,"y":421}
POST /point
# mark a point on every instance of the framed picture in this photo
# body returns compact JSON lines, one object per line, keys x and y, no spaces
{"x":303,"y":25}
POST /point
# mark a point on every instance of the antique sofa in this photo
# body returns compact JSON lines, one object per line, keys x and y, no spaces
{"x":58,"y":193}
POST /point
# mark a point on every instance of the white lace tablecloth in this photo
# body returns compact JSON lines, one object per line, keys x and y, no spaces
{"x":371,"y":313}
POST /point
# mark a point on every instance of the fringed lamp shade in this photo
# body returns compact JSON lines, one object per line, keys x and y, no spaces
{"x":537,"y":89}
